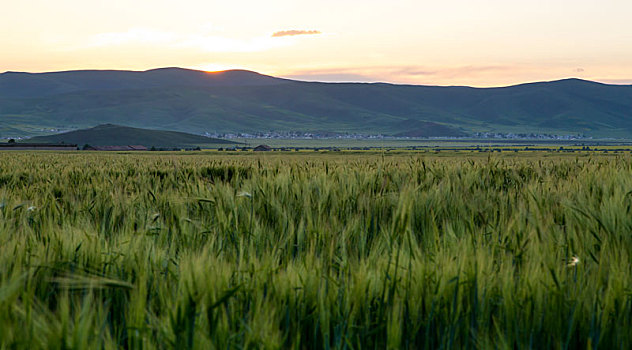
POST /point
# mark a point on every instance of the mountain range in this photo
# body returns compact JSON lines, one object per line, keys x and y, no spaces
{"x":243,"y":101}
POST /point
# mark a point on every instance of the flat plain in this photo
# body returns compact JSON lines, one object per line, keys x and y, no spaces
{"x":405,"y":249}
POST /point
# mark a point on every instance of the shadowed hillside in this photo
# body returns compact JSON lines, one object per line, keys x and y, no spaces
{"x":109,"y":134}
{"x":243,"y":101}
{"x":18,"y":84}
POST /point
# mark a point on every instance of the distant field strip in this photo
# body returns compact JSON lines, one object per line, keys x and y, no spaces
{"x":308,"y":250}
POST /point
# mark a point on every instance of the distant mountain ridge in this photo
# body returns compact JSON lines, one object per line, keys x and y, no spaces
{"x":25,"y":85}
{"x":243,"y":101}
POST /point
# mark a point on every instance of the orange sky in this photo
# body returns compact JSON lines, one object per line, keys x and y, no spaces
{"x":452,"y":42}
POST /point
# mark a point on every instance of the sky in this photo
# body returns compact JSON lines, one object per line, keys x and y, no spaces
{"x":440,"y":42}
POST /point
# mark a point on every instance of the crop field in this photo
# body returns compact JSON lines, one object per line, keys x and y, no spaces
{"x":429,"y":143}
{"x":308,"y":250}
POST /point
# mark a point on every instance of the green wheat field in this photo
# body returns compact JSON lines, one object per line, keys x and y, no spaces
{"x":343,"y":251}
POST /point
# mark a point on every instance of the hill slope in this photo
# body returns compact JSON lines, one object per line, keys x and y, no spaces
{"x":116,"y":135}
{"x":25,"y":85}
{"x":243,"y":101}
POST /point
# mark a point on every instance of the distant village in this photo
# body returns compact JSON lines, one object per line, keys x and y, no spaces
{"x":295,"y":135}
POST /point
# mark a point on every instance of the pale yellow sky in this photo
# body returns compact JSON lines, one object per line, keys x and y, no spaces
{"x":448,"y":42}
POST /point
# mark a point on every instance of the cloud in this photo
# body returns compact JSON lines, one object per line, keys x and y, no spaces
{"x":330,"y":77}
{"x":457,"y":75}
{"x":224,"y":44}
{"x":401,"y":75}
{"x":616,"y":81}
{"x":451,"y":72}
{"x":132,"y":35}
{"x":294,"y":32}
{"x":172,"y":40}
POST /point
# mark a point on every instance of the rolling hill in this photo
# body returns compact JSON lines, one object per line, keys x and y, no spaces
{"x":243,"y":101}
{"x":116,"y":135}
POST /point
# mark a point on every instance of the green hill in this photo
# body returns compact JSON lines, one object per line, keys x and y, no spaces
{"x":243,"y":101}
{"x":116,"y":135}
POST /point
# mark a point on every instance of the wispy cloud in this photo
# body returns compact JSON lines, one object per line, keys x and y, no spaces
{"x":616,"y":81}
{"x":224,"y":44}
{"x":330,"y":76}
{"x":403,"y":74}
{"x":429,"y":75}
{"x":202,"y":42}
{"x":294,"y":32}
{"x":450,"y":72}
{"x":133,"y":35}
